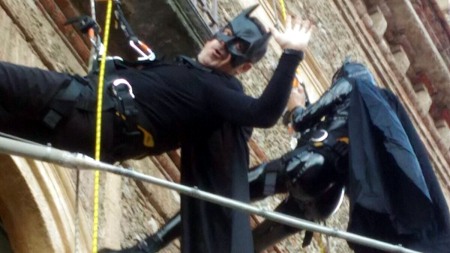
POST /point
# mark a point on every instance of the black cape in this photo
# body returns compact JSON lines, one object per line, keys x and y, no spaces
{"x":217,"y":163}
{"x":393,"y":191}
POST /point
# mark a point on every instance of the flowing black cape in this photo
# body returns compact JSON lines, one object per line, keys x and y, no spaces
{"x":392,"y":186}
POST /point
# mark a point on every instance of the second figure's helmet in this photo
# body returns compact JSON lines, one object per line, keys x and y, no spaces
{"x":353,"y":70}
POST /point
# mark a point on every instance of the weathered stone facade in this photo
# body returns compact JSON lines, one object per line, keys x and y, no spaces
{"x":406,"y":43}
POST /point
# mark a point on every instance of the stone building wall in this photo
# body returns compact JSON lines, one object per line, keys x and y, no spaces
{"x":44,"y":196}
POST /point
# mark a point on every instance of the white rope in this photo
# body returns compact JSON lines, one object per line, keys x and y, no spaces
{"x":93,"y":10}
{"x":82,"y":162}
{"x":77,"y":214}
{"x":95,"y":47}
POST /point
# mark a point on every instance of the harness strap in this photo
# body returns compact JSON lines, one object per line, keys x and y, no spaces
{"x":323,"y":138}
{"x":135,"y":121}
{"x":62,"y":104}
{"x":270,"y":181}
{"x":121,"y":96}
{"x":277,"y":168}
{"x":307,"y":238}
{"x":118,"y":95}
{"x":334,"y":149}
{"x":79,"y":93}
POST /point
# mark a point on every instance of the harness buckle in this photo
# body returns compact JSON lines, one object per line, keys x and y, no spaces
{"x":319,"y":136}
{"x":116,"y":83}
{"x":126,"y":106}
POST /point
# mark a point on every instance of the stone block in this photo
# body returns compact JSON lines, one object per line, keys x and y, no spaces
{"x":360,"y":7}
{"x":444,"y":132}
{"x":367,"y":20}
{"x":384,"y":47}
{"x":424,"y":100}
{"x":379,"y":23}
{"x":401,"y":59}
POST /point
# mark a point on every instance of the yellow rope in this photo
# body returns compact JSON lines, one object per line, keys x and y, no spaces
{"x":98,"y":128}
{"x":283,"y":10}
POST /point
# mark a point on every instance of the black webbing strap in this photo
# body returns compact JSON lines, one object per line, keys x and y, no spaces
{"x":339,"y":146}
{"x":307,"y":238}
{"x":276,"y":169}
{"x":62,"y":104}
{"x":270,"y":181}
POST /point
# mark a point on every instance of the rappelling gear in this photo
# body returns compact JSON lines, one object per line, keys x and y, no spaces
{"x":118,"y":94}
{"x":118,"y":98}
{"x":89,"y":26}
{"x":83,"y":23}
{"x":140,"y":47}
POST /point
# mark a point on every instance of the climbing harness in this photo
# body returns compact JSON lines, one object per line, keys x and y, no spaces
{"x":120,"y":88}
{"x":126,"y":107}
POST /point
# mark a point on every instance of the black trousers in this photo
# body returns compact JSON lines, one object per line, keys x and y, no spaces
{"x":25,"y":97}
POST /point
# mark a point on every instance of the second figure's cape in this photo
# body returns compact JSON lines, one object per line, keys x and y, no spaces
{"x":390,"y":172}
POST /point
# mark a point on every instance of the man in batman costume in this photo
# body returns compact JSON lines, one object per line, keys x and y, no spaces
{"x":394,"y":194}
{"x":358,"y":136}
{"x":216,"y":161}
{"x":361,"y":136}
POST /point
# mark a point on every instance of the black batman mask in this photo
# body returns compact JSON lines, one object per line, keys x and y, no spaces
{"x":247,"y":43}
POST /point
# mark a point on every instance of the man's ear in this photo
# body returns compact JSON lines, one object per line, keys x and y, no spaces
{"x":246,"y":66}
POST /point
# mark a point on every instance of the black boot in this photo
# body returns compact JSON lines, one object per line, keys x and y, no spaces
{"x":154,"y":243}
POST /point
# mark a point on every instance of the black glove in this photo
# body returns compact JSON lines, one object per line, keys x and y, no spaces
{"x":293,"y":116}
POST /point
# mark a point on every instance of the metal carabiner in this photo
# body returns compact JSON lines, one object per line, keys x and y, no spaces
{"x":120,"y":81}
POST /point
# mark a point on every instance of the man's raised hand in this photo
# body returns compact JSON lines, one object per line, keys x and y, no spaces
{"x":296,"y":35}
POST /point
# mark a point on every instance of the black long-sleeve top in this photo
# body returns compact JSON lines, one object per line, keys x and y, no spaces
{"x":183,"y":100}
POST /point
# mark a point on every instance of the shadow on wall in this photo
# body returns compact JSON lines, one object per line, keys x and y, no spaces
{"x":4,"y":241}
